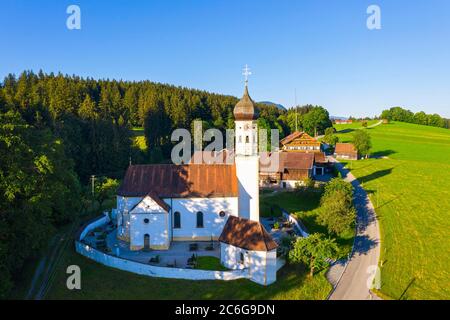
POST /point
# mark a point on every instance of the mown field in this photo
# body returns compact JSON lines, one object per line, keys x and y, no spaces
{"x":409,"y":184}
{"x":101,"y":282}
{"x":354,"y":125}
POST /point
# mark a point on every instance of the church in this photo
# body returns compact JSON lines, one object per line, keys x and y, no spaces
{"x":158,"y":204}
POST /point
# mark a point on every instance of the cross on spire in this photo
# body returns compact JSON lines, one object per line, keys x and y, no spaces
{"x":246,"y":73}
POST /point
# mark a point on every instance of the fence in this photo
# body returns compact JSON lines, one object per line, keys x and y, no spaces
{"x":145,"y":269}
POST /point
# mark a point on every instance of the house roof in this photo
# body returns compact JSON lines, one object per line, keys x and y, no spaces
{"x":344,"y":148}
{"x":154,"y":196}
{"x":247,"y":234}
{"x":286,"y":160}
{"x":245,"y":108}
{"x":180,"y":181}
{"x":296,"y":135}
{"x":319,"y":157}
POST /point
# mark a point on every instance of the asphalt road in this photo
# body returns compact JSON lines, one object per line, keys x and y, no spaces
{"x":361,"y":269}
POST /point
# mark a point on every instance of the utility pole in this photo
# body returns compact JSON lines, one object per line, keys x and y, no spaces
{"x":92,"y":184}
{"x":296,"y":109}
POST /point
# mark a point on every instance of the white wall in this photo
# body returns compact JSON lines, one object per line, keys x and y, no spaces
{"x":261,"y":265}
{"x":154,"y":271}
{"x":242,"y":129}
{"x":157,"y":228}
{"x":247,"y":171}
{"x":212,"y":223}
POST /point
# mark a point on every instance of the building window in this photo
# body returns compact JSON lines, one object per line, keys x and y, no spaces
{"x":247,"y":139}
{"x":146,"y":221}
{"x":222,"y":214}
{"x":199,"y":219}
{"x":241,"y":258}
{"x":176,"y":220}
{"x":240,"y":139}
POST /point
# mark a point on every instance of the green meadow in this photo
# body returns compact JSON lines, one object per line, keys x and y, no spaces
{"x":408,"y":180}
{"x":354,"y":125}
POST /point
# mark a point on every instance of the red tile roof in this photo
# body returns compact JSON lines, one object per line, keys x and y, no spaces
{"x":180,"y":181}
{"x":247,"y":234}
{"x":295,"y":135}
{"x":287,"y":160}
{"x":344,"y":148}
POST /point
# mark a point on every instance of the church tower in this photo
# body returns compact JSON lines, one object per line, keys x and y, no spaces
{"x":246,"y":158}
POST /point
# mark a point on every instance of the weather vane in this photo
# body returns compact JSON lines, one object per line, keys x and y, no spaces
{"x":246,"y":73}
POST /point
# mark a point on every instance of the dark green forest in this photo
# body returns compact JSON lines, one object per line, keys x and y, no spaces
{"x":57,"y":130}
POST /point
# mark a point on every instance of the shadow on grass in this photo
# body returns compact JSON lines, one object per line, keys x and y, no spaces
{"x":402,"y":296}
{"x":375,"y":175}
{"x":383,"y":153}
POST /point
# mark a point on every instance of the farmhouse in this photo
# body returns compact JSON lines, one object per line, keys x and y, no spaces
{"x":300,"y":142}
{"x":158,"y":205}
{"x":343,"y":121}
{"x":285,"y":169}
{"x":345,"y":151}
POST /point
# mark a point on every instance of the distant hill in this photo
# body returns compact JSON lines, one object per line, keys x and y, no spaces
{"x":269,"y":103}
{"x":338,"y":118}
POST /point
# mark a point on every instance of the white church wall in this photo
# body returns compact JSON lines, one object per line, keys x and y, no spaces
{"x":157,"y":228}
{"x":261,"y":265}
{"x":247,"y":171}
{"x":127,"y":203}
{"x":212,"y":222}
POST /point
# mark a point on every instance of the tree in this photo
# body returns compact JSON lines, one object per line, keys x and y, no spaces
{"x":105,"y":189}
{"x":313,"y":252}
{"x":316,"y":121}
{"x":362,"y":142}
{"x":330,"y":138}
{"x":337,"y":212}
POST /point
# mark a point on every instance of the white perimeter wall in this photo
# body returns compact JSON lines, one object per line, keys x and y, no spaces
{"x":261,"y":265}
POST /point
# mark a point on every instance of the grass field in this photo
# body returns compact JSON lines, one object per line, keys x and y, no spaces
{"x":409,"y":184}
{"x":354,"y":125}
{"x":101,"y":282}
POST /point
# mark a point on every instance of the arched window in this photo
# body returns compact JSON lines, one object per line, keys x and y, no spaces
{"x":199,"y":219}
{"x":241,"y":258}
{"x":176,"y":220}
{"x":247,"y":139}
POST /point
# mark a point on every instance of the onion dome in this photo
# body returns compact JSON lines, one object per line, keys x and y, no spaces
{"x":245,"y":108}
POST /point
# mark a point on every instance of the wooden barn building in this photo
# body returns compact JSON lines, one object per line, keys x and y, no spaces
{"x":345,"y":151}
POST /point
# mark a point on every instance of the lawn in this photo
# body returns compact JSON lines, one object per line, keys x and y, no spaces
{"x":209,"y":263}
{"x":409,"y":184}
{"x":354,"y":125}
{"x":305,"y":206}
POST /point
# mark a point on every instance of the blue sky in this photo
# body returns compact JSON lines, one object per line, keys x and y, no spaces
{"x":320,"y":48}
